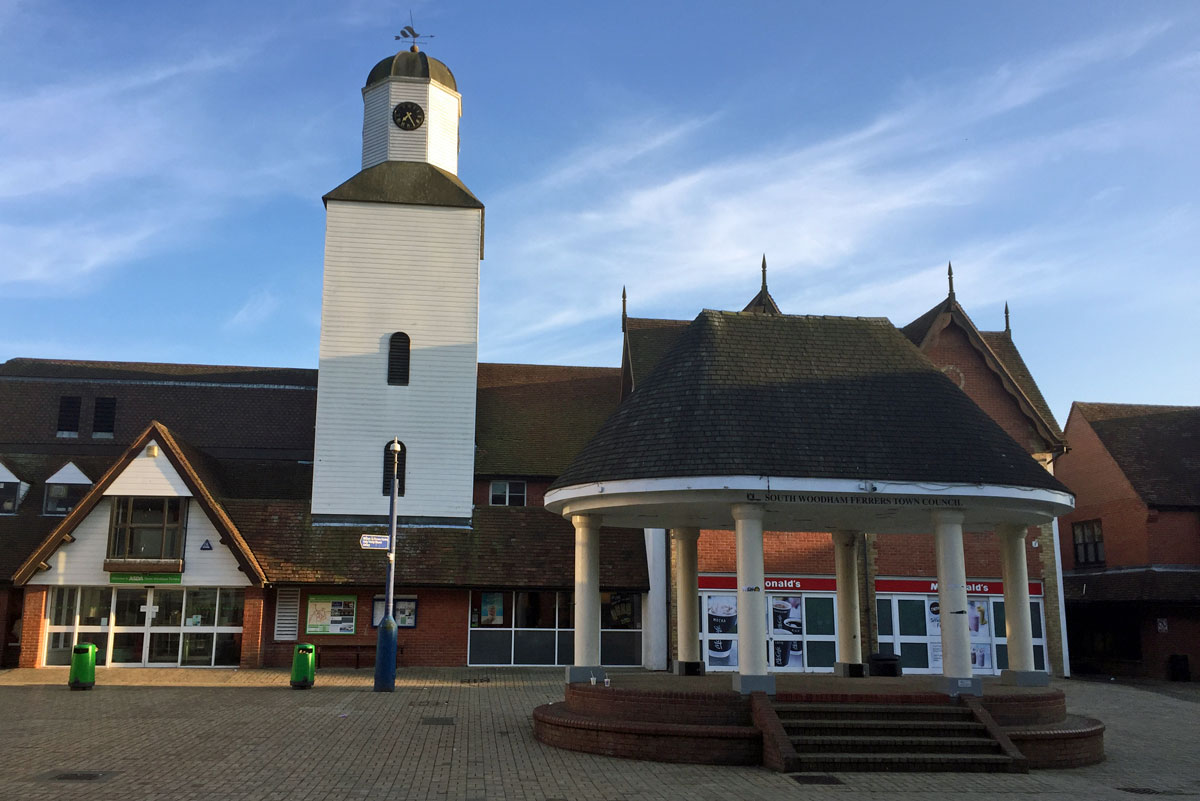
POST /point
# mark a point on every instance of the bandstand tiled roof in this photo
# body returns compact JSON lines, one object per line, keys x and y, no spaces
{"x":802,"y":396}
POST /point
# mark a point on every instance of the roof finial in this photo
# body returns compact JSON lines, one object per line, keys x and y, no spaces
{"x":1007,"y":327}
{"x":950,"y":276}
{"x":764,"y":269}
{"x":624,"y":315}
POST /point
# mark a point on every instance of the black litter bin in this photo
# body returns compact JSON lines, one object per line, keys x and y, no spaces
{"x":1177,"y":668}
{"x":884,"y":665}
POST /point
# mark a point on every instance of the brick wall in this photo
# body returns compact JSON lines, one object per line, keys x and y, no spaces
{"x":784,"y":552}
{"x":1101,"y":492}
{"x":33,"y":625}
{"x":1174,"y":537}
{"x":1181,"y":637}
{"x":439,"y":639}
{"x":950,"y":347}
{"x":913,"y":554}
{"x":252,"y":628}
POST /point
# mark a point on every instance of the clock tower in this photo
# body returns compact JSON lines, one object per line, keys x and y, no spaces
{"x":400,"y":310}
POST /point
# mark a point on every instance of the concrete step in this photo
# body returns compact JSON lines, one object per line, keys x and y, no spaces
{"x":874,"y":711}
{"x":895,"y":745}
{"x":845,"y":762}
{"x":817,"y":727}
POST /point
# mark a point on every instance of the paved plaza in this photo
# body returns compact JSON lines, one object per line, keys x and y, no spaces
{"x":459,"y":733}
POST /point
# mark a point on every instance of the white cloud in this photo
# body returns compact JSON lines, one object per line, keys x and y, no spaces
{"x":848,"y":209}
{"x":256,"y":310}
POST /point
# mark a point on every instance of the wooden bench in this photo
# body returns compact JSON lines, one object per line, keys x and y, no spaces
{"x":358,"y":651}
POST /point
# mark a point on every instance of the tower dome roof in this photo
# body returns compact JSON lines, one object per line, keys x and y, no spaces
{"x":412,"y":63}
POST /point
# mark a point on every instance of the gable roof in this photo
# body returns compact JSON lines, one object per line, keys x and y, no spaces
{"x":827,"y":397}
{"x":1156,"y":447}
{"x":171,"y":448}
{"x":1001,"y":357}
{"x":1002,"y":345}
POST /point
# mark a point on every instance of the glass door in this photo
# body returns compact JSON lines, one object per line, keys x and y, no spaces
{"x":165,"y":618}
{"x":130,"y":629}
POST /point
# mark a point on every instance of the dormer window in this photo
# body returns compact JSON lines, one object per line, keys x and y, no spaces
{"x":64,"y":489}
{"x":12,"y":491}
{"x":508,"y":493}
{"x":10,"y":497}
{"x":104,"y":418}
{"x":68,"y":416}
{"x":147,"y":528}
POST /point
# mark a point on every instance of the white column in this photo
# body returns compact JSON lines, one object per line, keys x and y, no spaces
{"x":587,"y":598}
{"x":1015,"y":574}
{"x":845,"y":561}
{"x":952,"y":596}
{"x":655,"y":612}
{"x":752,"y":604}
{"x":687,"y":599}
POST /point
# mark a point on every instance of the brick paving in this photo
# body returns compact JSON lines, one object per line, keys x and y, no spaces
{"x":445,"y":734}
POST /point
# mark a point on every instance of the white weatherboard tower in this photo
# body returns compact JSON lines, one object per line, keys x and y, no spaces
{"x":400,"y":309}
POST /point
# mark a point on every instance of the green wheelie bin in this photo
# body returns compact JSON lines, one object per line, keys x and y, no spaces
{"x":83,"y":667}
{"x":304,"y":666}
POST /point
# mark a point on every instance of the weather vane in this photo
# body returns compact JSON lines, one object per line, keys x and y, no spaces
{"x":409,"y":32}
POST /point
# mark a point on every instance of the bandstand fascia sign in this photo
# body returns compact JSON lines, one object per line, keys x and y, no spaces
{"x":812,"y":504}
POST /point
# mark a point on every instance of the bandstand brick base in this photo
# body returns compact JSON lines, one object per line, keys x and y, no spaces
{"x":657,"y":717}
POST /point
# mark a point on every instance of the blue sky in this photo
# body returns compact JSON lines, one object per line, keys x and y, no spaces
{"x":161,"y":168}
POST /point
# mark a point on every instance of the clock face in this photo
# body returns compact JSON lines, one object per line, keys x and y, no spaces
{"x":408,"y":116}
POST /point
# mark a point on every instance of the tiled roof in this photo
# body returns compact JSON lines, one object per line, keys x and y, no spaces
{"x":506,"y":547}
{"x":648,"y":340}
{"x":408,"y":183}
{"x":1002,"y":345}
{"x":68,"y":370}
{"x":819,"y":397}
{"x":1156,"y":447}
{"x":531,"y":420}
{"x":918,"y":329}
{"x":1142,"y":584}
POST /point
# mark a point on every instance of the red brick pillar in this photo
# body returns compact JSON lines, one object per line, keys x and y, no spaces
{"x":252,"y":628}
{"x":33,"y":626}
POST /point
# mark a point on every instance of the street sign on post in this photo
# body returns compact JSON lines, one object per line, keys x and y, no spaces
{"x":373,"y":542}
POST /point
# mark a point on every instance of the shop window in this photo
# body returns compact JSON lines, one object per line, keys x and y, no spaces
{"x":535,"y":610}
{"x":1089,"y":543}
{"x":508,"y":493}
{"x":620,"y":610}
{"x":399,"y":348}
{"x":147,"y":528}
{"x":883,"y":613}
{"x":68,"y":416}
{"x":104,"y":418}
{"x":394,"y":465}
{"x":61,"y":498}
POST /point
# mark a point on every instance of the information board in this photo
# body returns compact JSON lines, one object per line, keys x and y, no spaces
{"x":330,"y":614}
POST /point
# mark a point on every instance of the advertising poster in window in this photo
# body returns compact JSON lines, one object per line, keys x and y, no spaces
{"x":493,"y":609}
{"x":979,"y":622}
{"x":330,"y":614}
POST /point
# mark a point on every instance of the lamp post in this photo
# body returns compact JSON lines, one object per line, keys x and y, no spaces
{"x":385,"y":645}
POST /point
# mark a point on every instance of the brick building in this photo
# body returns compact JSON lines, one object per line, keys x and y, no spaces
{"x":1131,"y":548}
{"x":213,"y":516}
